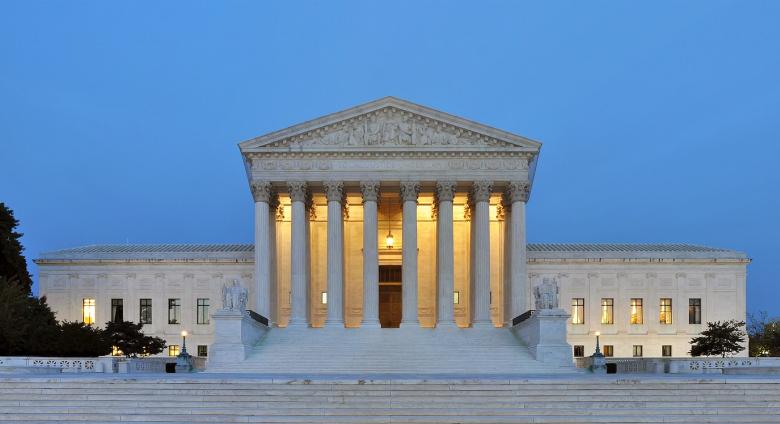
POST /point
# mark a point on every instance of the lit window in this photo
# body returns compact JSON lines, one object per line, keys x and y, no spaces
{"x":606,"y":311}
{"x":324,"y":298}
{"x":456,"y":298}
{"x":578,"y":310}
{"x":665,"y":316}
{"x":88,"y":311}
{"x":117,"y":310}
{"x":174,"y":311}
{"x":203,"y":311}
{"x":637,"y":351}
{"x":115,"y":351}
{"x":579,"y":351}
{"x":637,"y":315}
{"x":203,"y":350}
{"x":609,"y":351}
{"x":666,"y":350}
{"x":694,"y":311}
{"x":173,"y":350}
{"x":145,"y":308}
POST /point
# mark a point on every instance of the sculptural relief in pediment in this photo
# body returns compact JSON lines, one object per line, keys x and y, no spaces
{"x":390,"y":127}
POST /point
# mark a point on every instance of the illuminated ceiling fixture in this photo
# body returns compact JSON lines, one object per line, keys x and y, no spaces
{"x":389,"y":240}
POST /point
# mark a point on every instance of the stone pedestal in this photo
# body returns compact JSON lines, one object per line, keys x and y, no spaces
{"x":545,"y":335}
{"x":235,"y":334}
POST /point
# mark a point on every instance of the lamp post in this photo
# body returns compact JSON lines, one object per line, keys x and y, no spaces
{"x":598,"y":364}
{"x":183,"y":360}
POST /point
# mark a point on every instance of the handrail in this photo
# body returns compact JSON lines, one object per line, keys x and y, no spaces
{"x":257,"y":317}
{"x":522,"y":317}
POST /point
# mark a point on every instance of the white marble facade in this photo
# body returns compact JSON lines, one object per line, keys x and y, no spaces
{"x":451,"y":192}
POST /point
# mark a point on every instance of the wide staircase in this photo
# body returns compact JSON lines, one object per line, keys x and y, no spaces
{"x":313,"y":351}
{"x":226,"y":399}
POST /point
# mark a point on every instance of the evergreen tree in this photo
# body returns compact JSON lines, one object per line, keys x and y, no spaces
{"x":719,"y":339}
{"x":27,"y":325}
{"x":13,"y":266}
{"x":128,"y":338}
{"x":764,"y":335}
{"x":79,"y":339}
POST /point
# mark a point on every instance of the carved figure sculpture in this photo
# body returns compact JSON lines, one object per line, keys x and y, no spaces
{"x":234,"y":297}
{"x":546,"y":294}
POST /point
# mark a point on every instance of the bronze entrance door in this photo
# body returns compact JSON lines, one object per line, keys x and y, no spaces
{"x":390,"y":300}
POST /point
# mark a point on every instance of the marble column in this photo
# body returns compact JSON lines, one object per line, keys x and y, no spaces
{"x":517,"y":195}
{"x":445,"y":261}
{"x":334,"y":192}
{"x":262,"y":193}
{"x":409,"y":192}
{"x":370,"y":190}
{"x":481,"y":284}
{"x":299,"y":254}
{"x":273,"y":314}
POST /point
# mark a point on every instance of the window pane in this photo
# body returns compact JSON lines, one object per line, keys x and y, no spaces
{"x":694,"y":311}
{"x":173,"y":350}
{"x":203,"y":311}
{"x":174,"y":311}
{"x":579,"y":351}
{"x":145,"y":316}
{"x":609,"y":351}
{"x":637,"y":314}
{"x":88,"y":311}
{"x":665,"y":316}
{"x":666,"y":350}
{"x":637,"y":351}
{"x":578,"y":310}
{"x":117,"y":310}
{"x":203,"y":350}
{"x":606,"y":311}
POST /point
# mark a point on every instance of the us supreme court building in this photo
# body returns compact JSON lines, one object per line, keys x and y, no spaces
{"x":389,"y":219}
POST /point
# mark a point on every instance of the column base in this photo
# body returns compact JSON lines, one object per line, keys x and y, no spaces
{"x":334,"y":323}
{"x":408,"y":324}
{"x":446,"y":324}
{"x":370,"y":324}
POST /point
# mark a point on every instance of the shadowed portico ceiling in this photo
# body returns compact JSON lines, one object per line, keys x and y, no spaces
{"x":392,"y":139}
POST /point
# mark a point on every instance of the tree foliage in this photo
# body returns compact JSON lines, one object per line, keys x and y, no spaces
{"x":79,"y":339}
{"x":13,"y":266}
{"x":27,"y":325}
{"x":764,"y":335}
{"x":721,"y":338}
{"x":131,"y":341}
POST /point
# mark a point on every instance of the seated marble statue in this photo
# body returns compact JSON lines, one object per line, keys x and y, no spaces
{"x":234,"y":297}
{"x":546,"y":294}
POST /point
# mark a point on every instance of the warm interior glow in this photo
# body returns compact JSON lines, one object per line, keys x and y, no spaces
{"x":389,"y":241}
{"x":88,"y":311}
{"x":324,"y":298}
{"x":456,"y":298}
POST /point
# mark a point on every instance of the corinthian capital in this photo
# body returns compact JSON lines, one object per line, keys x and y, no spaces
{"x":334,"y":190}
{"x":261,"y":191}
{"x":445,"y":191}
{"x":409,"y":190}
{"x":370,"y":190}
{"x":517,"y":191}
{"x":480,"y":191}
{"x":298,"y":191}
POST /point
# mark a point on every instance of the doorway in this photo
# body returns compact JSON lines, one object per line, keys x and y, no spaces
{"x":390,"y":296}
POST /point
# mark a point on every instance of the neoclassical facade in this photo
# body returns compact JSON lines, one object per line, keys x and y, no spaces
{"x":391,"y":214}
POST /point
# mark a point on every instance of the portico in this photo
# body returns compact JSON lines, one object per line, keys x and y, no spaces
{"x":451,"y":193}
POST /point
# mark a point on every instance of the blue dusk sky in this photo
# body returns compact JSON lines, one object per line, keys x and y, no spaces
{"x":660,"y":119}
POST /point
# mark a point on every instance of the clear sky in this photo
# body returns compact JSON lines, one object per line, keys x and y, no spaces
{"x":660,"y":119}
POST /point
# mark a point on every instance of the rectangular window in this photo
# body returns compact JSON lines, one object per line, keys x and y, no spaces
{"x":117,"y":310}
{"x":637,"y":315}
{"x":174,"y":311}
{"x":694,"y":311}
{"x":203,"y":350}
{"x":173,"y":350}
{"x":456,"y":297}
{"x":665,"y":316}
{"x":666,"y":350}
{"x":203,"y":311}
{"x":324,"y":298}
{"x":579,"y":351}
{"x":88,"y":311}
{"x":145,"y":315}
{"x":609,"y":351}
{"x":606,"y":311}
{"x":578,"y":310}
{"x":637,"y":351}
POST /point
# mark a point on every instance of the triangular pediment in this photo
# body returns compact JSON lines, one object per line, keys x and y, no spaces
{"x":389,"y":124}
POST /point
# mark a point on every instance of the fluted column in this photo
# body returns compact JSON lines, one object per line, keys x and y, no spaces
{"x":334,"y":191}
{"x":370,"y":190}
{"x":481,"y":284}
{"x":299,"y":254}
{"x":262,"y":193}
{"x":409,"y":192}
{"x":445,"y":266}
{"x":517,"y":195}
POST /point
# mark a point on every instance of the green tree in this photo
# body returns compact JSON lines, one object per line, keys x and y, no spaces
{"x":721,"y":338}
{"x":27,"y":325}
{"x":13,"y":266}
{"x":128,"y":338}
{"x":79,"y":339}
{"x":763,"y":334}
